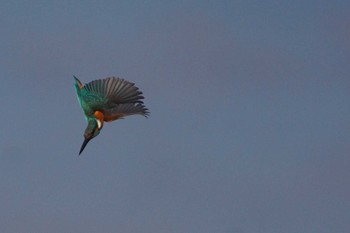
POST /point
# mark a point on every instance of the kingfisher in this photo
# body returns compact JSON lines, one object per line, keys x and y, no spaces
{"x":106,"y":100}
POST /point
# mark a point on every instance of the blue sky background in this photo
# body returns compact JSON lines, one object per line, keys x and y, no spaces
{"x":249,"y":128}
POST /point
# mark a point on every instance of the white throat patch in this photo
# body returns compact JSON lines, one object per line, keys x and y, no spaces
{"x":99,"y":123}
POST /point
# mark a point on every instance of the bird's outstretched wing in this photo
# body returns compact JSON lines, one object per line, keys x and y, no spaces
{"x":116,"y":90}
{"x":113,"y":93}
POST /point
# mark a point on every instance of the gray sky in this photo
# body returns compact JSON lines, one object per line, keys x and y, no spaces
{"x":249,"y":128}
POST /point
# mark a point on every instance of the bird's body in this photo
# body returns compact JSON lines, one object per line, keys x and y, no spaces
{"x":106,"y":100}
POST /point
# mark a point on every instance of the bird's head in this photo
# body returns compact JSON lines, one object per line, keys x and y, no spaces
{"x":92,"y":130}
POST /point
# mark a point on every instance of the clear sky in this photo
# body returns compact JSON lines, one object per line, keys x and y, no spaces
{"x":249,"y":128}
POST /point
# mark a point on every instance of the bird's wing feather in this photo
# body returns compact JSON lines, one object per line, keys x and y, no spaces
{"x":116,"y":90}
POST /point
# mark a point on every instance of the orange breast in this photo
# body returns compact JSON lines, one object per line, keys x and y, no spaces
{"x":112,"y":117}
{"x":107,"y":117}
{"x":99,"y":115}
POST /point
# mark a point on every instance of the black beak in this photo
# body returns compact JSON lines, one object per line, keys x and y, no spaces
{"x":84,"y":144}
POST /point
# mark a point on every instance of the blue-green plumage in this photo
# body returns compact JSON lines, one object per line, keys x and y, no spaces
{"x":106,"y":100}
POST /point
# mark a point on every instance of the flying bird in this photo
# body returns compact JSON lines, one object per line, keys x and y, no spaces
{"x":107,"y":100}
